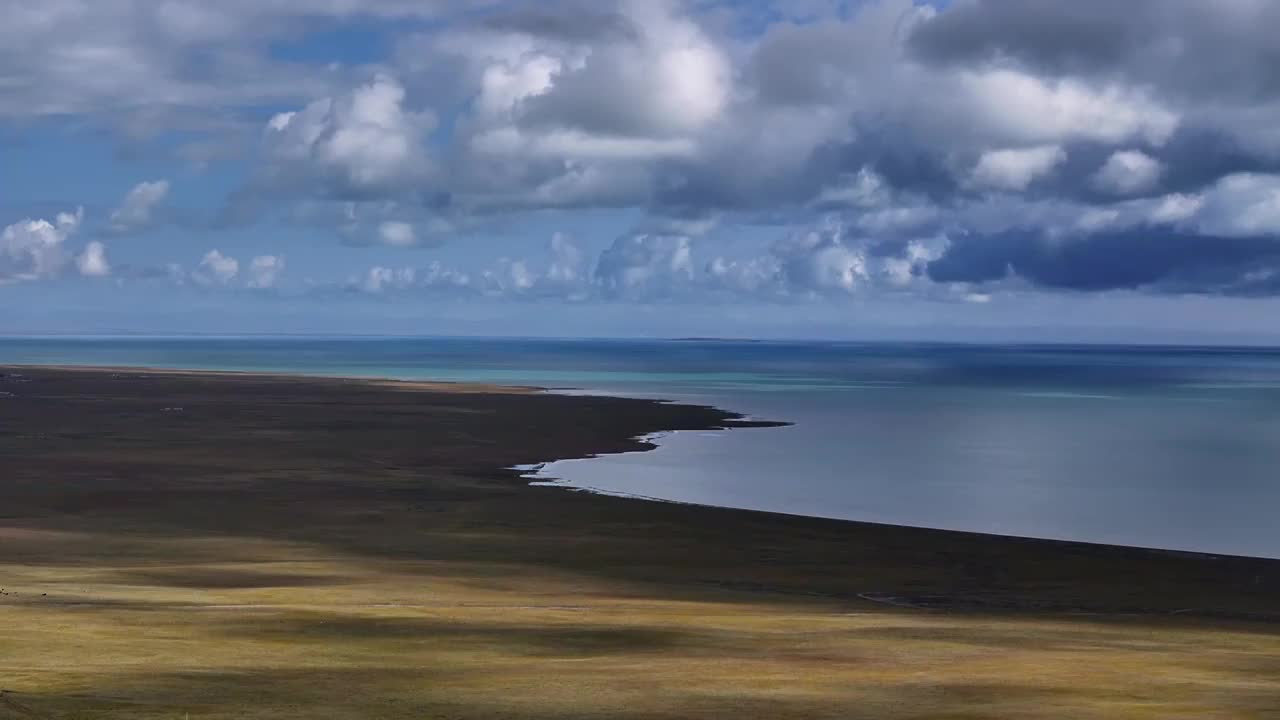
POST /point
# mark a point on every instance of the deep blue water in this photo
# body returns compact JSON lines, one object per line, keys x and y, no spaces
{"x":1160,"y":447}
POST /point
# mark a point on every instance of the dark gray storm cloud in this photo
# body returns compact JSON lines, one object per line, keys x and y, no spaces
{"x":1187,"y":48}
{"x":1159,"y":258}
{"x":1216,"y":65}
{"x":566,"y":21}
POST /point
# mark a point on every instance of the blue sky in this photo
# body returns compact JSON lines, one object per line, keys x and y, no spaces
{"x":882,"y":169}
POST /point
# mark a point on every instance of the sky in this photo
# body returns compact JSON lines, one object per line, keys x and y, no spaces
{"x":965,"y":170}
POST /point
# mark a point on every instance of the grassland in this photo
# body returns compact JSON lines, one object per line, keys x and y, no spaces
{"x":221,"y":546}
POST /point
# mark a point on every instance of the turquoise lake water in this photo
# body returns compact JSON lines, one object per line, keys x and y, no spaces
{"x":1161,"y":447}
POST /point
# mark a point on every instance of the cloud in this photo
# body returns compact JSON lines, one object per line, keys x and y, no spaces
{"x":1154,"y":258}
{"x":1018,"y":105}
{"x":397,"y":234}
{"x":819,"y":260}
{"x":135,"y":211}
{"x":34,"y":249}
{"x":92,"y":262}
{"x":652,"y":105}
{"x":645,"y":265}
{"x":1202,"y":51}
{"x":1225,"y":240}
{"x":1215,"y":62}
{"x":1043,"y":144}
{"x":1016,"y":169}
{"x":356,"y":145}
{"x":181,"y":59}
{"x":1242,"y":205}
{"x":378,"y":278}
{"x":264,"y":270}
{"x":1174,"y":208}
{"x":567,"y":264}
{"x":666,"y":80}
{"x":1127,"y":172}
{"x":216,"y":269}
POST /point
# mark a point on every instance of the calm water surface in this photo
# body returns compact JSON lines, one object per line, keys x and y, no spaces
{"x":1161,"y":447}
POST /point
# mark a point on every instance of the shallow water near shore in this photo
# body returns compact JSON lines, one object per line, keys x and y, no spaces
{"x":1160,"y":447}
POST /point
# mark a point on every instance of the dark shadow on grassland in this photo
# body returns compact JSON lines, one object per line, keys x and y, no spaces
{"x":153,"y":469}
{"x":207,"y":578}
{"x":1145,"y":635}
{"x":393,"y":693}
{"x":832,"y":648}
{"x":563,"y":639}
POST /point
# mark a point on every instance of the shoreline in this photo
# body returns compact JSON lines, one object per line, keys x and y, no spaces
{"x":643,"y":442}
{"x":300,"y":547}
{"x":436,"y":385}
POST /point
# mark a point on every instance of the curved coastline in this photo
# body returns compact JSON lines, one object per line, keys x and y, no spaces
{"x":330,"y":529}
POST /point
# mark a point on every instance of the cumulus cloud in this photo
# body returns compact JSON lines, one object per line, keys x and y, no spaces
{"x":177,"y":60}
{"x":1175,"y":208}
{"x":645,"y":265}
{"x":1016,"y":169}
{"x":1127,"y":172}
{"x":397,"y":233}
{"x":651,"y":105}
{"x":829,"y":258}
{"x":664,"y":79}
{"x":378,"y":278}
{"x":34,"y":249}
{"x":358,"y":144}
{"x":820,"y":260}
{"x":264,"y":270}
{"x":1063,"y":145}
{"x":1023,"y":106}
{"x":216,"y":269}
{"x":92,"y":262}
{"x":566,"y":269}
{"x":1244,"y":205}
{"x":137,"y":208}
{"x":1225,"y":240}
{"x":1166,"y":259}
{"x":1194,"y":50}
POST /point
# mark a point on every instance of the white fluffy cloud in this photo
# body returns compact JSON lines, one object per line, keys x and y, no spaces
{"x":397,"y":233}
{"x":216,"y":269}
{"x":378,"y":279}
{"x":819,"y":260}
{"x":264,"y":270}
{"x":567,"y":262}
{"x":665,"y":79}
{"x":1127,"y":172}
{"x":1025,"y":107}
{"x":135,"y":211}
{"x":92,"y":262}
{"x":1175,"y":208}
{"x":356,"y":144}
{"x":34,"y":249}
{"x":1242,"y":205}
{"x":645,"y":265}
{"x":1015,"y":169}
